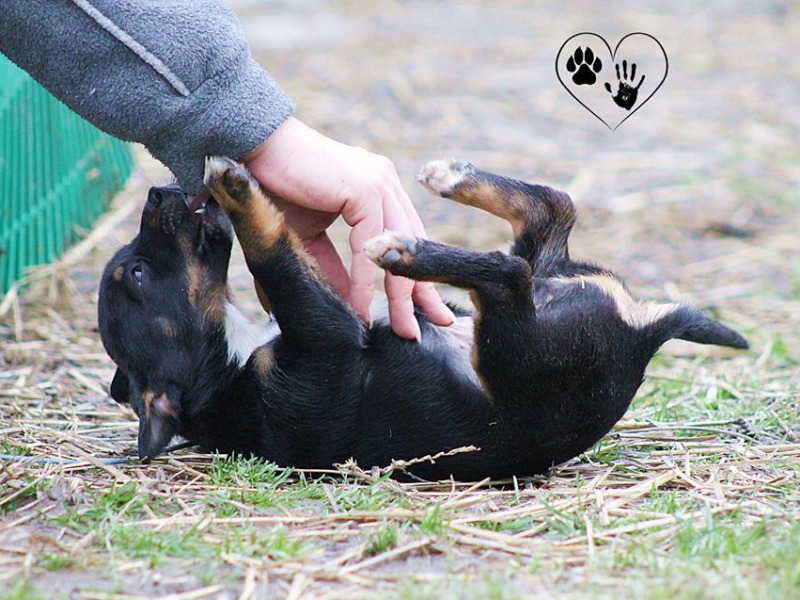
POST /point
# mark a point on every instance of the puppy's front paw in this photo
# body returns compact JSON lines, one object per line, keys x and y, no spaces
{"x":390,"y":248}
{"x":442,"y":177}
{"x":229,"y":182}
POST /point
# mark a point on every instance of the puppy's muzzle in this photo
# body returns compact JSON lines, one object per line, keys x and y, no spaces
{"x":158,"y":422}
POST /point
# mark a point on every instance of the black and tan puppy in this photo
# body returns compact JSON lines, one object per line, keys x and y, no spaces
{"x":548,"y":362}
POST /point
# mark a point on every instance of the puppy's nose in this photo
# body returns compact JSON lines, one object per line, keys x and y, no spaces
{"x":158,"y":195}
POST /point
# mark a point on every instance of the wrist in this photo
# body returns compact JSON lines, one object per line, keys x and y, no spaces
{"x":275,"y":152}
{"x":283,"y":162}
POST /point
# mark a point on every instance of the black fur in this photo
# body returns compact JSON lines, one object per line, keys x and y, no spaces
{"x":555,"y":363}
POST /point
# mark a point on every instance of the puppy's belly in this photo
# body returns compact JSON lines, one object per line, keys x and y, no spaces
{"x":454,"y":341}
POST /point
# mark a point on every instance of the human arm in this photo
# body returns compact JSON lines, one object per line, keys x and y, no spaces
{"x":175,"y":76}
{"x":178,"y":77}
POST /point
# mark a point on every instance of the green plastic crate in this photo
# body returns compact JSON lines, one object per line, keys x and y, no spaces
{"x":58,"y":173}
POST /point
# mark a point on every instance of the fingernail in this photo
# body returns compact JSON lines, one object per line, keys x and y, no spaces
{"x":417,"y":331}
{"x":450,"y":314}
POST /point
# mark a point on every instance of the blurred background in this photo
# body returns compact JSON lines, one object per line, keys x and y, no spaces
{"x":699,"y":187}
{"x":694,"y":198}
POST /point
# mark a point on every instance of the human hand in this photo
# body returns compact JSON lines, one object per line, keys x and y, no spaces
{"x":314,"y":179}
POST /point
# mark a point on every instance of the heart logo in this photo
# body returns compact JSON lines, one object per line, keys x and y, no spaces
{"x":612,"y":85}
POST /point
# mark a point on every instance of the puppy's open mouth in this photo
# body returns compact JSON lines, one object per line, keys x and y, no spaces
{"x":210,"y":222}
{"x":196,"y":204}
{"x":201,"y":224}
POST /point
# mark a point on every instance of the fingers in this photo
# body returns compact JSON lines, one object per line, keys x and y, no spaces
{"x":425,"y":295}
{"x":318,"y":179}
{"x":366,"y":222}
{"x":394,"y":212}
{"x":387,"y":207}
{"x":399,"y":290}
{"x":427,"y":298}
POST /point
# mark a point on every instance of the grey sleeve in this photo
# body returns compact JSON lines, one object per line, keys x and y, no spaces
{"x":176,"y":76}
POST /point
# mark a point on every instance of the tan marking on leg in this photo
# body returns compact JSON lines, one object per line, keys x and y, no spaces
{"x":263,"y":360}
{"x":521,"y":207}
{"x":259,"y":224}
{"x":262,"y":227}
{"x":456,"y":181}
{"x":262,"y":297}
{"x":474,"y":359}
{"x":377,"y":247}
{"x":510,"y":206}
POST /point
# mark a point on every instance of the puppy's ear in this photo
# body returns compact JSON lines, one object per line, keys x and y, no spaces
{"x":120,"y":387}
{"x":687,"y":323}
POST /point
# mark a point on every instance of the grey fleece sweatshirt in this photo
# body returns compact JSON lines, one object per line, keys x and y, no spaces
{"x":176,"y":75}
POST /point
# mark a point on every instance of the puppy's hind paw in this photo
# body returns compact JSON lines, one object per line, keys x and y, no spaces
{"x":390,"y":248}
{"x":229,"y":182}
{"x":442,"y":177}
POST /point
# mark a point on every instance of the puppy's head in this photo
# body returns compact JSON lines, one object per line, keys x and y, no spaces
{"x":162,"y":297}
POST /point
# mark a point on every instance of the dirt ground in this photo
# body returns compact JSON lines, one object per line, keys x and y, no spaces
{"x":694,"y":198}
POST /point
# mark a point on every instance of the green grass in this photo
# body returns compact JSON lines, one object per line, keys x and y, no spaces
{"x":17,"y":492}
{"x":288,"y":521}
{"x":10,"y":446}
{"x":433,"y":521}
{"x":223,"y":519}
{"x":383,"y":539}
{"x":57,"y":562}
{"x":22,"y":589}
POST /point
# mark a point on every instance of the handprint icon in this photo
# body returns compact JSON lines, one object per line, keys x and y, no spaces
{"x":626,"y":93}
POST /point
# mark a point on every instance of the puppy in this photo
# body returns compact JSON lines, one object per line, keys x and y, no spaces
{"x":549,"y":360}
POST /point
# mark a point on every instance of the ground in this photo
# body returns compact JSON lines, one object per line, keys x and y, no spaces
{"x":694,"y":198}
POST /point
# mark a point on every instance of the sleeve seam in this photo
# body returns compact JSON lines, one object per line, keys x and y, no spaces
{"x":138,"y":49}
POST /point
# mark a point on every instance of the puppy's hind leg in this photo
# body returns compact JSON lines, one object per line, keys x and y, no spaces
{"x":500,"y":287}
{"x":286,"y":277}
{"x":540,"y":217}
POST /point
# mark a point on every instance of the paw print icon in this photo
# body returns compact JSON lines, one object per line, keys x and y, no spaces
{"x":584,"y":66}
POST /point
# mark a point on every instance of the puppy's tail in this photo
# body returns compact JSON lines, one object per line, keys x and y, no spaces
{"x":688,"y":323}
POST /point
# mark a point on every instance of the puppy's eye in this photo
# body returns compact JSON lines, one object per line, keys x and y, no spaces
{"x":137,"y":274}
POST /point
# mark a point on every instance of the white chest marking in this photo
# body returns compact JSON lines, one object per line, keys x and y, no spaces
{"x":242,"y":336}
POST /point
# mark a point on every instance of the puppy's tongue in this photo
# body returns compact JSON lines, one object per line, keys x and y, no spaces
{"x":197,"y":202}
